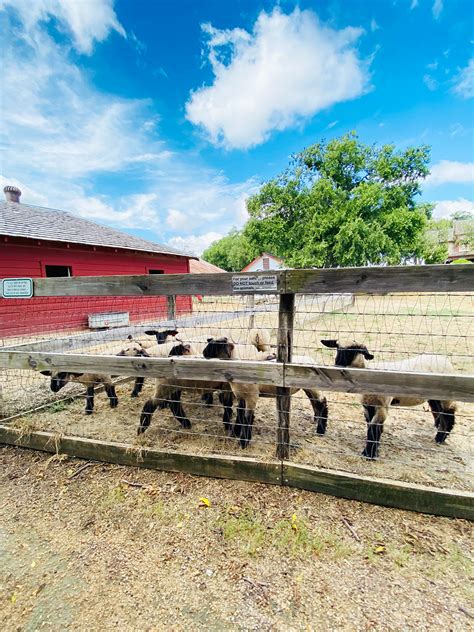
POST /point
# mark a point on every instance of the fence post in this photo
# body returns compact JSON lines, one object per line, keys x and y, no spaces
{"x":286,"y":314}
{"x":171,"y":308}
{"x":251,"y":306}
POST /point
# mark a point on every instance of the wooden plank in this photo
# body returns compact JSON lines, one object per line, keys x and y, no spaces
{"x":458,"y":387}
{"x":217,"y":284}
{"x":388,"y":493}
{"x":286,"y":314}
{"x":214,"y":465}
{"x":177,"y":367}
{"x":427,"y":385}
{"x":409,"y":496}
{"x":171,"y":300}
{"x":382,"y":280}
{"x":251,"y":307}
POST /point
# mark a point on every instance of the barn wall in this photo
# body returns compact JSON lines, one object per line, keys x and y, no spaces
{"x":25,"y":316}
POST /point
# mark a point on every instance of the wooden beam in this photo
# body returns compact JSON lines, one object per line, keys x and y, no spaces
{"x":427,"y":385}
{"x":216,"y":284}
{"x":175,"y":367}
{"x":388,"y":493}
{"x":171,"y":300}
{"x":286,"y":314}
{"x":382,"y":280}
{"x":367,"y":280}
{"x":458,"y":387}
{"x":214,"y":465}
{"x":456,"y":504}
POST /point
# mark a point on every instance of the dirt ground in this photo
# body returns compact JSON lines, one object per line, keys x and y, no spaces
{"x":113,"y":548}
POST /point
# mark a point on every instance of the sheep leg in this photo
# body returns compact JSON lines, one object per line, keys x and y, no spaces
{"x":207,"y":398}
{"x":444,"y":418}
{"x":177,"y":409}
{"x":240,"y":418}
{"x":246,"y":432}
{"x":250,"y":404}
{"x":137,"y":388}
{"x":147,"y":411}
{"x":320,"y":409}
{"x":369,"y":412}
{"x":374,"y":431}
{"x":112,"y":395}
{"x":90,"y":400}
{"x":227,"y":399}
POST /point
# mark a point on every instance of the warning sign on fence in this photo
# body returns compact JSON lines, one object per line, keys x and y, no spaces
{"x":261,"y":283}
{"x":17,"y":288}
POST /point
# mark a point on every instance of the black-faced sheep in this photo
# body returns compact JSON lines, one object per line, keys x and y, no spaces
{"x":247,"y":394}
{"x":168,"y":392}
{"x":166,"y":340}
{"x":59,"y":379}
{"x":134,"y":348}
{"x":376,"y":407}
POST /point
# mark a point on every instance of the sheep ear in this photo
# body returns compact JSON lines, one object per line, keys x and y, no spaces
{"x":330,"y":343}
{"x":151,"y":332}
{"x":129,"y":337}
{"x":209,"y":339}
{"x":46,"y":373}
{"x":368,"y":356}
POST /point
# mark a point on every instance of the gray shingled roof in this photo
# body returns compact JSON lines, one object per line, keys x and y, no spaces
{"x":36,"y":222}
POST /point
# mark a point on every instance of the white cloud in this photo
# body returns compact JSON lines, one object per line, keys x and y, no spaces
{"x":87,"y":21}
{"x":176,"y":219}
{"x":66,"y":136}
{"x":450,"y":171}
{"x":414,"y":4}
{"x":287,"y":69}
{"x":437,"y":8}
{"x":373,"y":25}
{"x":464,"y":82}
{"x":430,"y":82}
{"x":195,"y":244}
{"x":444,"y":208}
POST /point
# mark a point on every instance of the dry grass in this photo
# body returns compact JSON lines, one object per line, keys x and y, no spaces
{"x":92,"y":552}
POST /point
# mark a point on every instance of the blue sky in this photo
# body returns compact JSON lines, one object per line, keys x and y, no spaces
{"x":160,"y":118}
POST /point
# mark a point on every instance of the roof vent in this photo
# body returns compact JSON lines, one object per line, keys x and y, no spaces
{"x":12,"y":194}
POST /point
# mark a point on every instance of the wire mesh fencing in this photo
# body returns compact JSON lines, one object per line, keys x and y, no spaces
{"x":204,"y":418}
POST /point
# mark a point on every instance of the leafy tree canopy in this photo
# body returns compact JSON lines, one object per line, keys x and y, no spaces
{"x":343,"y":203}
{"x":232,"y":253}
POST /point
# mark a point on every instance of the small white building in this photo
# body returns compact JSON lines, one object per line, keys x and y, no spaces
{"x":265,"y":261}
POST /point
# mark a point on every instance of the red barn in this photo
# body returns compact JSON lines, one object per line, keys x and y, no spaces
{"x":43,"y":242}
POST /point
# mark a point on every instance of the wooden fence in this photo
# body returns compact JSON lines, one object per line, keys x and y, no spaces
{"x":283,"y":374}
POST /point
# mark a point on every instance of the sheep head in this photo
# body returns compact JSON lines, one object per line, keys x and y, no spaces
{"x":351,"y":355}
{"x":220,"y":348}
{"x":59,"y":379}
{"x":181,"y":349}
{"x":162,"y":336}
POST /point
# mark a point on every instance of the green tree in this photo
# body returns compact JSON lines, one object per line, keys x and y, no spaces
{"x":343,"y":203}
{"x":232,"y":252}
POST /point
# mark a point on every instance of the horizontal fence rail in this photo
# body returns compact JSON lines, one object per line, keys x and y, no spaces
{"x":388,"y":493}
{"x":376,"y":280}
{"x":425,"y":385}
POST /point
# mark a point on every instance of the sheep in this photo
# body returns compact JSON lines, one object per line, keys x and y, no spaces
{"x":168,"y":392}
{"x":59,"y":379}
{"x":165,"y":342}
{"x":376,"y":407}
{"x":247,"y":394}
